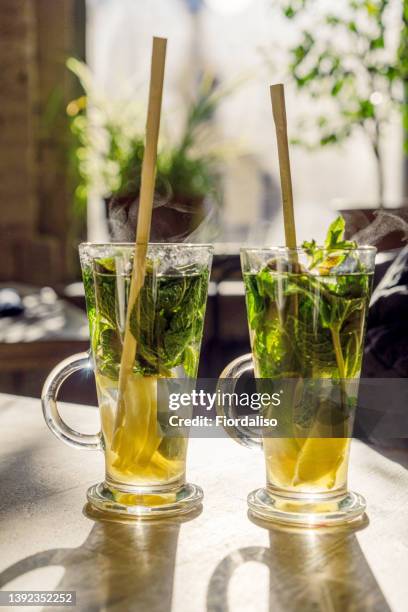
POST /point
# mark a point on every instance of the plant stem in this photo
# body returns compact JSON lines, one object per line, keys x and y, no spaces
{"x":338,"y":351}
{"x":379,"y":165}
{"x":340,"y":365}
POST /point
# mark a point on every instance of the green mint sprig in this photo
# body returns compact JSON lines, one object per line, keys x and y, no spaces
{"x":332,"y":253}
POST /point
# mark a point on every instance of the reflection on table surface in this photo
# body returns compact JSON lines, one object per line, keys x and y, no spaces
{"x":121,"y":565}
{"x":309,"y":570}
{"x":130,"y":566}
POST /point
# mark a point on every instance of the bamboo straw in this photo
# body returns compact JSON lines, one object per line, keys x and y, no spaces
{"x":145,"y":212}
{"x":279,"y":117}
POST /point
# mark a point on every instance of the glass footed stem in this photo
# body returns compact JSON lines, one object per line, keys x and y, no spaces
{"x":146,"y":502}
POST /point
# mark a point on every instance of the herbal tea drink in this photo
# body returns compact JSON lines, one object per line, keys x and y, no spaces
{"x":307,"y":310}
{"x":306,"y":328}
{"x":167,"y":324}
{"x":145,"y":461}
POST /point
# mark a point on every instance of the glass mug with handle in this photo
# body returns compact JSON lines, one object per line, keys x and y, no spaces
{"x":145,"y":462}
{"x":307,"y":319}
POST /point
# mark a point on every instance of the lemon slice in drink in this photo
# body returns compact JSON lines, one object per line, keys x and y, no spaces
{"x":281,"y":456}
{"x":136,"y":439}
{"x":320,"y":461}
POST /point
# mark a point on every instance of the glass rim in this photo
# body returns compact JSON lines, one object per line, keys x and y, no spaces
{"x":190,"y":245}
{"x":365,"y":248}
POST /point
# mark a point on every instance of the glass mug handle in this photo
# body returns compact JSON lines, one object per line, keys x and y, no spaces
{"x":227,"y":383}
{"x":49,"y":396}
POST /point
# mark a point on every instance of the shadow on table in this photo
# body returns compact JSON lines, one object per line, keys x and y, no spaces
{"x":120,"y":566}
{"x":309,"y":570}
{"x":14,"y":469}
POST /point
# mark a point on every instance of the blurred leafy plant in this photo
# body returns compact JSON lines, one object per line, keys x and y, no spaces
{"x":345,"y":54}
{"x":109,"y":144}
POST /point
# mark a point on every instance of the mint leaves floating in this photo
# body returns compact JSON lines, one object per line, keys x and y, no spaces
{"x":309,"y":321}
{"x":167,"y":319}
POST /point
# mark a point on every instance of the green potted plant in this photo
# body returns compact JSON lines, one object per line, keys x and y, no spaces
{"x":107,"y":158}
{"x":345,"y":57}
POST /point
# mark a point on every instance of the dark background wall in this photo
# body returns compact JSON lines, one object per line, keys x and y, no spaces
{"x":36,"y":36}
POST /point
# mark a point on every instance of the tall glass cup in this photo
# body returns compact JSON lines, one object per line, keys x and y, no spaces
{"x":307,"y":320}
{"x":145,"y":462}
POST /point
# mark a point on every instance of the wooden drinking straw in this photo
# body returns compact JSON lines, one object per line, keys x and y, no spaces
{"x":144,"y":217}
{"x":279,"y":117}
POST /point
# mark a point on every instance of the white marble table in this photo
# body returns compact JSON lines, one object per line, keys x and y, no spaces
{"x":217,"y":561}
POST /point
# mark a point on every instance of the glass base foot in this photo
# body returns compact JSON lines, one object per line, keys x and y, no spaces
{"x":310,"y":511}
{"x":145,"y":504}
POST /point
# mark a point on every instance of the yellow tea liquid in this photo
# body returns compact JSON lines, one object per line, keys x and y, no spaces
{"x":307,"y":464}
{"x":138,"y":451}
